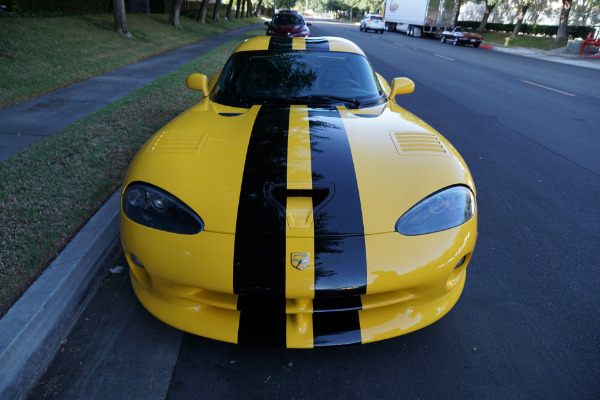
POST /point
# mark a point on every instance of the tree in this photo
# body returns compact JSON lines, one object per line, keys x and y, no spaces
{"x":523,"y":7}
{"x":120,"y":18}
{"x":285,"y":4}
{"x":562,"y":34}
{"x":456,"y":12}
{"x":202,"y":12}
{"x":174,"y":15}
{"x":237,"y":8}
{"x":489,"y":7}
{"x":229,"y":7}
{"x":216,"y":10}
{"x":257,"y":12}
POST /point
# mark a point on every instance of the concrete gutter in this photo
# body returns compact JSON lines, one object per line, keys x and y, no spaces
{"x":32,"y":330}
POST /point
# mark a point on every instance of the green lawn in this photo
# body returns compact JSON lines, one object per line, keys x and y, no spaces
{"x":539,"y":42}
{"x":41,"y":54}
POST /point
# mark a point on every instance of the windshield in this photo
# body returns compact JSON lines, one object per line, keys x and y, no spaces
{"x":297,"y":77}
{"x":287,"y":19}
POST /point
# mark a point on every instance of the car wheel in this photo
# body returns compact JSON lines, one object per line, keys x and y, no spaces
{"x":455,"y":42}
{"x":476,"y":45}
{"x":381,"y":31}
{"x":443,"y":39}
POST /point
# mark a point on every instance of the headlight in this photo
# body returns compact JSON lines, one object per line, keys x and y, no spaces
{"x":152,"y":207}
{"x":442,"y":210}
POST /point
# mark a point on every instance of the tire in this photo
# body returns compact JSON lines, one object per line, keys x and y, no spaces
{"x":443,"y":39}
{"x":455,"y":42}
{"x":476,"y":45}
{"x":381,"y":31}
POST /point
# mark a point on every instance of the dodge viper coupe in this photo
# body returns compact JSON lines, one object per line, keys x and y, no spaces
{"x":298,"y":205}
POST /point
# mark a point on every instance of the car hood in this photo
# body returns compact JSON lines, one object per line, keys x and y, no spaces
{"x":330,"y":172}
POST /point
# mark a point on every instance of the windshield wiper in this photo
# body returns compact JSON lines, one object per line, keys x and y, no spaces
{"x":321,"y":97}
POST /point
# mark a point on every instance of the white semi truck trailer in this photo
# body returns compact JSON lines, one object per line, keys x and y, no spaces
{"x":419,"y":17}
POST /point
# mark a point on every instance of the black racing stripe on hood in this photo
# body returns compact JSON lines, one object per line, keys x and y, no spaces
{"x":317,"y":44}
{"x":259,"y":252}
{"x":284,"y":43}
{"x":259,"y":260}
{"x":280,"y":43}
{"x":340,"y":253}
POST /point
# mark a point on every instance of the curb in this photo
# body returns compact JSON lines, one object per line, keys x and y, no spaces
{"x":33,"y":328}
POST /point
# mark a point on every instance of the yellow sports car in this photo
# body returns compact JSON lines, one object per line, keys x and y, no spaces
{"x":297,"y":205}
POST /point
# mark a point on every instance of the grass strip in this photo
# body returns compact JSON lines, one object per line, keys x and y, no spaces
{"x":538,"y":42}
{"x":38,"y":55}
{"x":50,"y":190}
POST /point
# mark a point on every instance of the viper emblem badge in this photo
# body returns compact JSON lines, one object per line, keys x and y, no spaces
{"x":300,"y":260}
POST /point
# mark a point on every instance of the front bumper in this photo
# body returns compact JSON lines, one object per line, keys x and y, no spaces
{"x":187,"y":282}
{"x":375,"y":27}
{"x":465,"y":41}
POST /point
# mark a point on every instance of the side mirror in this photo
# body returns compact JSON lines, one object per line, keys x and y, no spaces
{"x":401,"y":86}
{"x":198,"y":82}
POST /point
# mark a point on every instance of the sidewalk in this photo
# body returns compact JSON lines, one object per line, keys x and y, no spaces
{"x":32,"y":330}
{"x":557,"y":55}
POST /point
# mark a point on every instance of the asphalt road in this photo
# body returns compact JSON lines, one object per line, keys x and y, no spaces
{"x":527,"y":325}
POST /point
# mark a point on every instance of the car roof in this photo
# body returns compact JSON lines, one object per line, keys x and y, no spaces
{"x":324,"y":44}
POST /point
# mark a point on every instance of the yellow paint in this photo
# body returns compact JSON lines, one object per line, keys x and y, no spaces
{"x":203,"y":320}
{"x":298,"y":44}
{"x":299,"y":213}
{"x":300,"y":284}
{"x":192,"y":154}
{"x":299,"y":171}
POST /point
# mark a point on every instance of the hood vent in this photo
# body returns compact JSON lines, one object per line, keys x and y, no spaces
{"x":178,"y":142}
{"x":418,"y":143}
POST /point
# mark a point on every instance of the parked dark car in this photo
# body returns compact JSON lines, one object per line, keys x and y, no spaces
{"x":461,"y":36}
{"x":288,"y":24}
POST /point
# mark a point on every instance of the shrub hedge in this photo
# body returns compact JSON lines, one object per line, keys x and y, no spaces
{"x":546,"y":30}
